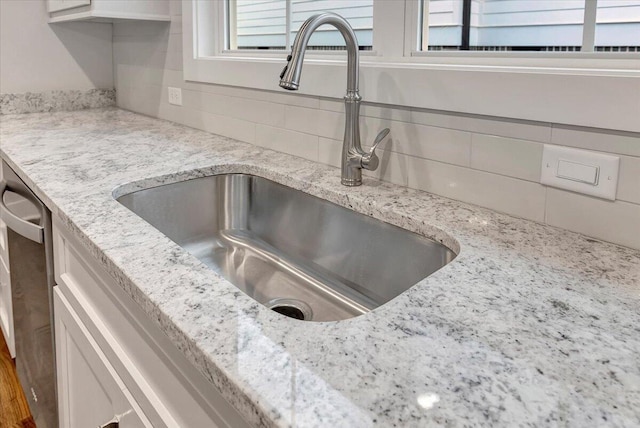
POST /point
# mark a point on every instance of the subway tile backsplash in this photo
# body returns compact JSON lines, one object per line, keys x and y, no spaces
{"x":629,"y":180}
{"x":509,"y":195}
{"x":491,"y":162}
{"x":624,"y":143}
{"x":287,"y":141}
{"x":617,"y":221}
{"x":506,"y":156}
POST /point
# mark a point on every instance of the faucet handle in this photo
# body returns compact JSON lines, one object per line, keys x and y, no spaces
{"x":370,"y":160}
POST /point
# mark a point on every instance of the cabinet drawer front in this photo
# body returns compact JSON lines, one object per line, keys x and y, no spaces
{"x":170,"y":391}
{"x":89,"y":390}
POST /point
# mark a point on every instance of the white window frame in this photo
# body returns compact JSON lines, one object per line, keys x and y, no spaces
{"x":581,"y":88}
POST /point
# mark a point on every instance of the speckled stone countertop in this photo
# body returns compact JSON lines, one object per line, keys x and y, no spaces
{"x":528,"y":326}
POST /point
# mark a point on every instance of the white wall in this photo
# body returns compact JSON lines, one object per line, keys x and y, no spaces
{"x":491,"y":162}
{"x":38,"y":57}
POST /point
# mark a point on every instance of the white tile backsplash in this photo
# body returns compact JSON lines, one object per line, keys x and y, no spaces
{"x":331,"y":105}
{"x":239,"y":129}
{"x":491,"y":162}
{"x":512,"y":196}
{"x":623,"y":143}
{"x":284,"y":140}
{"x":176,"y":27}
{"x":629,"y":179}
{"x":240,"y":108}
{"x":400,"y":114}
{"x":138,"y":28}
{"x":506,"y":156}
{"x":222,"y":125}
{"x":533,"y":131}
{"x":173,"y":58}
{"x":330,"y":124}
{"x":428,"y":142}
{"x":329,"y":151}
{"x":176,"y":8}
{"x":394,"y":168}
{"x":145,"y":99}
{"x":136,"y":75}
{"x":301,"y":119}
{"x":610,"y":221}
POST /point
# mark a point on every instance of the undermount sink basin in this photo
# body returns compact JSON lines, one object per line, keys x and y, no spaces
{"x":297,"y":254}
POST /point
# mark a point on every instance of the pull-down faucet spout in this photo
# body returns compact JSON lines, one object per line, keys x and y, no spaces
{"x":353,"y":157}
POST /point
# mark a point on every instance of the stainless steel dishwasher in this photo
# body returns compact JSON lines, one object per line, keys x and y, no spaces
{"x":31,"y":271}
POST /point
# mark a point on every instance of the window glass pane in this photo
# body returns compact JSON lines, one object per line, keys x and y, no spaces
{"x":262,"y":24}
{"x":259,"y":24}
{"x":509,"y":25}
{"x":618,"y":26}
{"x":359,"y":13}
{"x":442,"y":24}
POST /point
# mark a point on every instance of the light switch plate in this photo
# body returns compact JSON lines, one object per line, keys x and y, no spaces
{"x":580,"y":171}
{"x":175,"y":96}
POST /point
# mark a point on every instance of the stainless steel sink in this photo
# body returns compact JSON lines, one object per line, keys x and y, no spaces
{"x":297,"y":254}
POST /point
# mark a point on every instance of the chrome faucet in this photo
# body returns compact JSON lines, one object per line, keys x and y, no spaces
{"x":354,"y":159}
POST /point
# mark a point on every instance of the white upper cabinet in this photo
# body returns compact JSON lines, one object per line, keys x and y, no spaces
{"x":108,"y":10}
{"x":57,"y":5}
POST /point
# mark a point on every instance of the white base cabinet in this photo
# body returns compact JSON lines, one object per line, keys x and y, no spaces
{"x":91,"y":394}
{"x":157,"y":385}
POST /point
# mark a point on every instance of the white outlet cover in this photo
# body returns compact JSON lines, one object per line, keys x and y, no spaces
{"x":580,"y":171}
{"x":175,"y":96}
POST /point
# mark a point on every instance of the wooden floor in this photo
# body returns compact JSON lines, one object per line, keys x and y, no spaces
{"x":14,"y":410}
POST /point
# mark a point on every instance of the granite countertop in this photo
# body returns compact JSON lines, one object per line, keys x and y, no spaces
{"x":529,"y":326}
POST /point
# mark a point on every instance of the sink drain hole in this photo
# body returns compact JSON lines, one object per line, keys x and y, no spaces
{"x":291,"y":308}
{"x":289,"y":311}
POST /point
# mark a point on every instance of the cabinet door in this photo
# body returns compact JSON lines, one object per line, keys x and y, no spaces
{"x":57,"y":5}
{"x":90,"y":393}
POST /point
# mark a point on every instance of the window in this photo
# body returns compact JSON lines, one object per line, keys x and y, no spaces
{"x":530,"y":25}
{"x":416,"y":54}
{"x":449,"y":25}
{"x":534,"y":25}
{"x":617,"y":26}
{"x":273,"y":24}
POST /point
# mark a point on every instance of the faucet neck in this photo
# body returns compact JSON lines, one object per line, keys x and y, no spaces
{"x":293,"y":71}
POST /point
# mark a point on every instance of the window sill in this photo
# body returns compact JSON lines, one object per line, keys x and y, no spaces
{"x":598,"y":98}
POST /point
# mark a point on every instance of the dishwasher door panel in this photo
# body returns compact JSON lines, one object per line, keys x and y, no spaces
{"x":30,"y":249}
{"x":32,"y":326}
